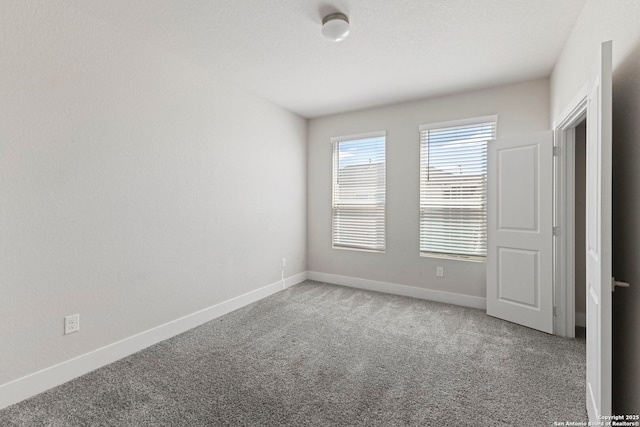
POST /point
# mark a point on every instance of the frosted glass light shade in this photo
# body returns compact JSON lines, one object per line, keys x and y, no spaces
{"x":335,"y":27}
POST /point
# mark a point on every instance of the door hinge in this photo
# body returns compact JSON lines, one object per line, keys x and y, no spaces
{"x":556,"y":312}
{"x":556,"y":230}
{"x":556,"y":151}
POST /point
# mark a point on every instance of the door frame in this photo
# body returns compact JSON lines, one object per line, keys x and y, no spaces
{"x":564,"y":246}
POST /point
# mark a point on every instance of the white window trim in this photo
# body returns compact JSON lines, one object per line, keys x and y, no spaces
{"x":366,"y":135}
{"x":337,"y":139}
{"x":446,"y":124}
{"x":460,"y":122}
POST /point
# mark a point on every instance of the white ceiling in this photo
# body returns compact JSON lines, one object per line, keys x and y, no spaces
{"x":398,"y":50}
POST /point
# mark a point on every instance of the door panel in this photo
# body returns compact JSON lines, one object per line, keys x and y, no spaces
{"x":518,"y":192}
{"x":518,"y":282}
{"x":520,"y":232}
{"x":598,"y":238}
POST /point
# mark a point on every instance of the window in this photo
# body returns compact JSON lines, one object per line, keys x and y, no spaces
{"x":359,"y":169}
{"x":453,"y":188}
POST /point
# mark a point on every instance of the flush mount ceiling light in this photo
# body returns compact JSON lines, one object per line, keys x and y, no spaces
{"x":335,"y":27}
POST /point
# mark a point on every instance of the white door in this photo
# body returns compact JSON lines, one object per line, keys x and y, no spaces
{"x":520,"y":230}
{"x":598,"y":237}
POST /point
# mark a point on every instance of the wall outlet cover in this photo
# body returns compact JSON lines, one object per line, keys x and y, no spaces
{"x":71,"y":324}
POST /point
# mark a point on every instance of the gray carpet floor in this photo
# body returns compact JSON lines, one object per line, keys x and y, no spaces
{"x":323,"y":355}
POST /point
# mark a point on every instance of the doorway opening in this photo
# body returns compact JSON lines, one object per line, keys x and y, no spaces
{"x":570,"y":223}
{"x":580,"y":210}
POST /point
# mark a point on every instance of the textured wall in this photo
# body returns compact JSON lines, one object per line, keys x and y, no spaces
{"x":134,"y":187}
{"x":616,"y":20}
{"x":521,"y":108}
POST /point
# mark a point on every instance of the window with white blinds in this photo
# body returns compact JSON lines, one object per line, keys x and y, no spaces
{"x":359,"y":169}
{"x":453,"y":188}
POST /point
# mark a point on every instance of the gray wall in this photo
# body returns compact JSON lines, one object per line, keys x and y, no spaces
{"x":616,"y":20}
{"x":135,"y":188}
{"x":521,"y":108}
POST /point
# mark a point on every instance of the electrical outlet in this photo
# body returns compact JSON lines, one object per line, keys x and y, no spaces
{"x":71,"y":324}
{"x":283,"y":263}
{"x":439,"y":271}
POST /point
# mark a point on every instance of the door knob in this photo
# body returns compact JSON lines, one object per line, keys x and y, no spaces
{"x":617,"y":283}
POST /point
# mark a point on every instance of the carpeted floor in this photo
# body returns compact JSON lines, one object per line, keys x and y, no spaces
{"x":322,"y":355}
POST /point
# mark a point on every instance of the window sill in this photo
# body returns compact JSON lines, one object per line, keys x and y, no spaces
{"x":345,"y":248}
{"x":455,"y":257}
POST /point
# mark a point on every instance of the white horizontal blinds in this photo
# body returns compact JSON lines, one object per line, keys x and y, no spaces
{"x":453,"y":190}
{"x":359,"y":169}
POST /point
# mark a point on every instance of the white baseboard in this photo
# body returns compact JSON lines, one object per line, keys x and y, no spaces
{"x":581,"y":319}
{"x":37,"y":382}
{"x":392,"y":288}
{"x":294,"y":280}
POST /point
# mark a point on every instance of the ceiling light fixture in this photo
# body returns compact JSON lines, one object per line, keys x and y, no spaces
{"x":335,"y":27}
